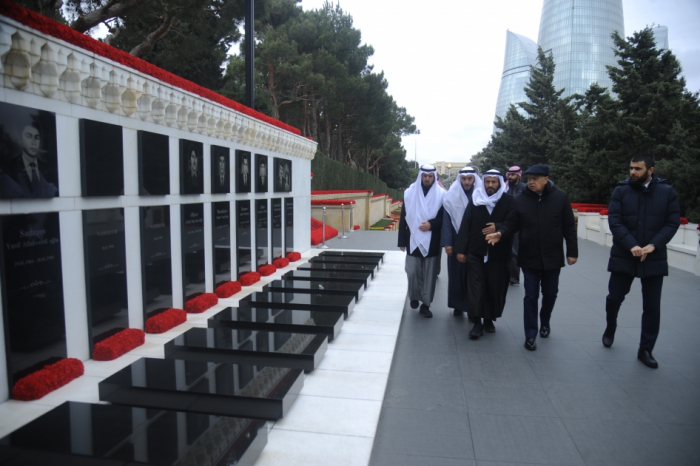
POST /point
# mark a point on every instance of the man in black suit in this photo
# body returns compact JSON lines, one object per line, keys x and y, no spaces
{"x":27,"y":176}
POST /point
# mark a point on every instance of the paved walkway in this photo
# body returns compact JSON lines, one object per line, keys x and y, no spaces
{"x":453,"y":401}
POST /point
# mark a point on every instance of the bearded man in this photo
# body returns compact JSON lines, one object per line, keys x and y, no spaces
{"x":643,"y":217}
{"x":515,"y":188}
{"x":491,"y":213}
{"x":419,"y":231}
{"x":455,"y":203}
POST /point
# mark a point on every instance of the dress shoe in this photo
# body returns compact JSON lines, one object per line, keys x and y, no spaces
{"x":544,"y":331}
{"x":425,"y":311}
{"x":530,"y":344}
{"x":514,"y":283}
{"x":457,"y":313}
{"x":477,"y":331}
{"x":414,"y":304}
{"x":472,"y":320}
{"x":647,"y":359}
{"x":608,"y":338}
{"x":488,"y":326}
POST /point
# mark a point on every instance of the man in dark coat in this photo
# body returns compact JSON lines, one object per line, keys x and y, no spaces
{"x":643,"y":217}
{"x":419,"y":231}
{"x":515,"y":188}
{"x":455,"y":203}
{"x":492,"y":213}
{"x":545,"y":221}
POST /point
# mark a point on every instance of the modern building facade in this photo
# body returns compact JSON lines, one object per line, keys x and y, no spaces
{"x":521,"y":54}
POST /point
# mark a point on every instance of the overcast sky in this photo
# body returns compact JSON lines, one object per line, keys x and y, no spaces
{"x":444,"y":63}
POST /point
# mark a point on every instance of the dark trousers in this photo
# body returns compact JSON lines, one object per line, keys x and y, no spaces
{"x":549,"y":282}
{"x":514,"y":270}
{"x":618,"y":287}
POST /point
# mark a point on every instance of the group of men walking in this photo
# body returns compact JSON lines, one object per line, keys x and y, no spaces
{"x":495,"y":225}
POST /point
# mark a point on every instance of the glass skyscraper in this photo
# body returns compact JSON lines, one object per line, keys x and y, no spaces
{"x":521,"y":53}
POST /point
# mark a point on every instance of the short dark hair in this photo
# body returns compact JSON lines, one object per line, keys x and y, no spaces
{"x":646,"y":158}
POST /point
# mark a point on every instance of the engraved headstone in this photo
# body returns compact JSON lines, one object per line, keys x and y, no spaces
{"x":220,"y":170}
{"x":288,"y":225}
{"x":192,"y":220}
{"x":262,"y":253}
{"x":191,"y":167}
{"x":102,"y":159}
{"x":244,"y":175}
{"x":154,"y":164}
{"x":221,"y":241}
{"x":277,"y":250}
{"x":282,"y":175}
{"x":262,"y":174}
{"x":156,"y":261}
{"x":243,"y":239}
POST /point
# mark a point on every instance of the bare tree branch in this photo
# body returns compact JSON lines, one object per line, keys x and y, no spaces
{"x":109,"y":10}
{"x":169,"y":18}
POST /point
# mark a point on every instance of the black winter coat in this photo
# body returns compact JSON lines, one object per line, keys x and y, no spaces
{"x":471,"y":240}
{"x":544,"y":223}
{"x":639,"y":216}
{"x":435,"y":228}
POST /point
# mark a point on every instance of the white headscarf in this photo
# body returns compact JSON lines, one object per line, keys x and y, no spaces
{"x":481,"y":198}
{"x":456,"y":200}
{"x":421,"y":208}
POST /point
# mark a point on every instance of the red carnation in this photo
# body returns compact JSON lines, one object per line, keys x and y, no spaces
{"x":684,"y":221}
{"x":228,"y":289}
{"x":118,"y":344}
{"x":165,"y":321}
{"x":280,"y":262}
{"x":44,"y":381}
{"x":604,"y":212}
{"x":201,"y":303}
{"x":267,"y":270}
{"x":294,"y":256}
{"x":249,"y":278}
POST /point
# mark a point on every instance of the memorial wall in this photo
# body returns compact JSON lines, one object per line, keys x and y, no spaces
{"x":117,"y":195}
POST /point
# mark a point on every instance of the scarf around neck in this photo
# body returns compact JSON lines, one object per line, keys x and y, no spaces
{"x":421,"y":208}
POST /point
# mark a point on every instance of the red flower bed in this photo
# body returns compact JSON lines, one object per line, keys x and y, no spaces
{"x":332,"y":201}
{"x":267,"y":270}
{"x":281,"y":262}
{"x":165,"y":321}
{"x":294,"y":256}
{"x":604,"y":212}
{"x":576,"y":205}
{"x":317,"y":232}
{"x":356,"y":227}
{"x":118,"y":344}
{"x":59,"y":31}
{"x":591,"y":209}
{"x":249,"y":278}
{"x":684,"y":221}
{"x":44,"y":381}
{"x":201,"y":303}
{"x":228,"y":289}
{"x":341,"y":191}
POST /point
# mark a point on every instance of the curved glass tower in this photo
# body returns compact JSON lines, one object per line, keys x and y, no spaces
{"x":577,"y":32}
{"x":521,"y":53}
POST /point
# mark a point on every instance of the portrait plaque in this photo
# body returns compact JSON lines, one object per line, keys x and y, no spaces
{"x":192,"y":219}
{"x":288,"y":225}
{"x":262,"y":253}
{"x":243,"y":171}
{"x":32,"y":292}
{"x":221,"y":241}
{"x":277,"y":250}
{"x":28,"y":164}
{"x":156,"y":271}
{"x":220,"y":170}
{"x":105,"y":272}
{"x":282,"y":175}
{"x":102,"y":159}
{"x":243,"y":240}
{"x":191,"y":167}
{"x":261,"y":173}
{"x":154,"y":164}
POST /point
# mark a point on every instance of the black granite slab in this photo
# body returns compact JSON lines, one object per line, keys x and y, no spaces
{"x":367,"y":261}
{"x":288,"y":225}
{"x":279,"y":320}
{"x":220,"y":389}
{"x":373,"y":255}
{"x":289,"y":285}
{"x":154,"y":163}
{"x":156,"y":262}
{"x":243,"y":238}
{"x":261,"y":227}
{"x":78,"y":434}
{"x":301,"y":301}
{"x":362,"y":277}
{"x":220,"y":170}
{"x":221,"y":241}
{"x":302,"y":351}
{"x":101,"y":159}
{"x":191,"y":167}
{"x":276,"y":209}
{"x":192,"y":231}
{"x":334,"y":266}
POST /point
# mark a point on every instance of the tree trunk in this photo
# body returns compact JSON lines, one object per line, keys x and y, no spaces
{"x":109,"y":10}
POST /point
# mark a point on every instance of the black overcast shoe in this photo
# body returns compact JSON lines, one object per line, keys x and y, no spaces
{"x":530,"y":344}
{"x":647,"y":359}
{"x":476,"y":331}
{"x":608,"y":338}
{"x":457,"y":313}
{"x":414,"y":304}
{"x":544,"y":331}
{"x":488,"y":326}
{"x":425,"y":311}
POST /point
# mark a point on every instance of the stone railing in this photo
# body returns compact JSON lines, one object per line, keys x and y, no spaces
{"x":36,"y":63}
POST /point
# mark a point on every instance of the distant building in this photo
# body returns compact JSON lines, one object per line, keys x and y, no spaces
{"x":660,"y":37}
{"x":521,"y":54}
{"x":448,"y":168}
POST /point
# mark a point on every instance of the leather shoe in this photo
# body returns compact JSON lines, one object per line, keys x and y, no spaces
{"x":488,"y":326}
{"x":471,"y":319}
{"x":544,"y":331}
{"x":425,"y":311}
{"x":530,"y":344}
{"x":477,"y":331}
{"x":647,"y":359}
{"x":608,"y":338}
{"x":457,"y":313}
{"x":414,"y":304}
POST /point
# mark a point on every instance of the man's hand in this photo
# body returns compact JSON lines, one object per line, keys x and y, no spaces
{"x":425,"y":226}
{"x":648,"y":249}
{"x":402,"y":249}
{"x":571,"y":260}
{"x":461,"y":258}
{"x":636,"y":251}
{"x":490,"y":229}
{"x":493,"y":238}
{"x":448,"y":250}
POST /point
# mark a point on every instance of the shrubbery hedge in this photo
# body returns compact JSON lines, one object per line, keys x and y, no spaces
{"x":329,"y":174}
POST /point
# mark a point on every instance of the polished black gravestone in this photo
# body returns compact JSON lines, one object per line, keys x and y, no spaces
{"x":362,"y":277}
{"x":282,"y":175}
{"x":372,"y":255}
{"x":261,"y":173}
{"x":220,"y":389}
{"x":105,"y":272}
{"x":243,"y":240}
{"x":261,"y":246}
{"x":351,"y":260}
{"x":220,"y":170}
{"x":192,"y":220}
{"x":83,"y":434}
{"x":225,"y":345}
{"x":221,"y":241}
{"x":277,"y":250}
{"x":101,"y":159}
{"x":32,"y":292}
{"x":156,"y":261}
{"x":290,"y":285}
{"x":301,"y":301}
{"x":191,"y":167}
{"x":154,"y":163}
{"x":288,"y":225}
{"x":283,"y":321}
{"x":244,"y":176}
{"x":334,"y":266}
